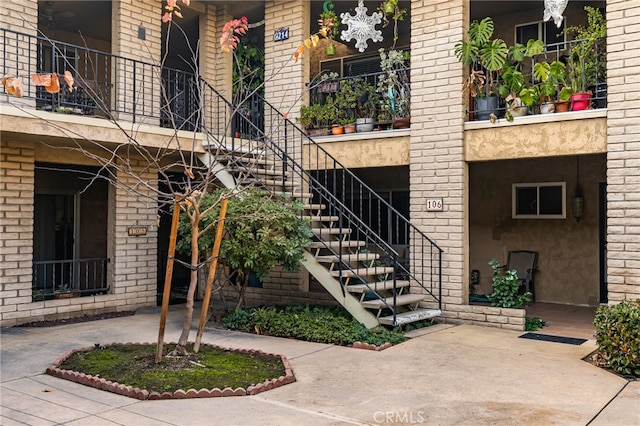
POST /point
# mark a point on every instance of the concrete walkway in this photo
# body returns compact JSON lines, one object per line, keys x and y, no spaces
{"x":462,"y":375}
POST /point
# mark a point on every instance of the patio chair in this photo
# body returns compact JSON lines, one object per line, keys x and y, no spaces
{"x":525,"y":264}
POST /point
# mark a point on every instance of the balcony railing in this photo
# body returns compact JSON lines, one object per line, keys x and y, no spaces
{"x":585,"y":62}
{"x":106,"y":85}
{"x":372,"y":95}
{"x":73,"y":277}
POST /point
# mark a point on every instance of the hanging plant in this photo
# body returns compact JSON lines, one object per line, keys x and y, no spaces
{"x":328,"y":21}
{"x":390,"y":9}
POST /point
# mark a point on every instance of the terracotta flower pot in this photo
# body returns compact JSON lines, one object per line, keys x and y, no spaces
{"x":350,"y":128}
{"x":562,"y":106}
{"x":337,"y":129}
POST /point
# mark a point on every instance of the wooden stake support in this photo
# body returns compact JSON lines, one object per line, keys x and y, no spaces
{"x":212,"y":272}
{"x":167,"y":279}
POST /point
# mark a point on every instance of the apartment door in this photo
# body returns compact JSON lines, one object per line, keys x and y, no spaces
{"x":54,"y":239}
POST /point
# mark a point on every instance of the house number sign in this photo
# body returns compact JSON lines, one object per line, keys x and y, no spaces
{"x":137,"y":231}
{"x":434,"y":205}
{"x":281,"y":34}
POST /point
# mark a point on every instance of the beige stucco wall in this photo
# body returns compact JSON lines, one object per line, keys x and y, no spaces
{"x":370,"y":149}
{"x":550,"y":135}
{"x":568,"y":250}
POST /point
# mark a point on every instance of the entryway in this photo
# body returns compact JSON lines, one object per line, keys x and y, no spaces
{"x":564,"y":320}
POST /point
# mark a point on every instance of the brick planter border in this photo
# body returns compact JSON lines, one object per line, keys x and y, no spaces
{"x":137,"y":393}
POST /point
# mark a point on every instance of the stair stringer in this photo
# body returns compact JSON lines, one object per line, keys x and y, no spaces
{"x":315,"y":268}
{"x":219,"y":170}
{"x":334,"y":287}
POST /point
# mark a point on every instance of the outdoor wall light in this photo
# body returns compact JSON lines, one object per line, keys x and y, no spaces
{"x":578,"y":200}
{"x":578,"y":204}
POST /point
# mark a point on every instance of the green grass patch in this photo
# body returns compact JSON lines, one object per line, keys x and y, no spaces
{"x":134,"y":365}
{"x":319,"y":324}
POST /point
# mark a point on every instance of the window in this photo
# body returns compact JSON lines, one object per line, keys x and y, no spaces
{"x":539,"y":200}
{"x":551,"y":36}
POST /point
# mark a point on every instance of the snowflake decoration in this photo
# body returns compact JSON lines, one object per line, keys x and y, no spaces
{"x":361,"y":26}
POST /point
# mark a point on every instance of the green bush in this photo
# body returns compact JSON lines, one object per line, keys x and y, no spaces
{"x":618,"y":336}
{"x":505,"y":288}
{"x":314,"y":324}
{"x":533,"y":323}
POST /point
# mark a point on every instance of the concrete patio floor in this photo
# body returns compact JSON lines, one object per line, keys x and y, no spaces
{"x":445,"y":375}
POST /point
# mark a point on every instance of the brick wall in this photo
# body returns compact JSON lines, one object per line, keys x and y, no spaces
{"x":285,"y":80}
{"x":127,"y":16}
{"x":623,"y":145}
{"x":20,"y":16}
{"x":281,"y":288}
{"x":437,"y":166}
{"x":16,"y":228}
{"x":510,"y":319}
{"x":134,"y":258}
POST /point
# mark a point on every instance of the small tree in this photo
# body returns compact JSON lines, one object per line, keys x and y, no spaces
{"x":261,"y":231}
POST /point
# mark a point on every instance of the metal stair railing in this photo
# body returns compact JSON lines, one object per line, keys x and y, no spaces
{"x":303,"y":163}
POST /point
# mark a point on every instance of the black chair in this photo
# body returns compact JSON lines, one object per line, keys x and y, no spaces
{"x":525,"y":263}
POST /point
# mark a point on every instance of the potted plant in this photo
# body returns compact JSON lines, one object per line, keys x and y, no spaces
{"x":366,"y":100}
{"x":513,"y":79}
{"x":329,"y":26}
{"x":551,"y":91}
{"x":391,"y":9}
{"x":346,"y":101}
{"x":393,"y":86}
{"x":587,"y":59}
{"x":314,"y":119}
{"x":485,"y":57}
{"x":65,"y":292}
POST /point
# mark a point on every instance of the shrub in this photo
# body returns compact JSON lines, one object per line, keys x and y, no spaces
{"x":314,"y":324}
{"x":618,"y":336}
{"x":238,"y":319}
{"x":534,"y":323}
{"x":505,"y":288}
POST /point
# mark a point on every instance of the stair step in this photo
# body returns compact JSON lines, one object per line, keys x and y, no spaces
{"x":334,"y":245}
{"x":363,"y":272}
{"x":270,"y":182}
{"x":321,"y":218}
{"x":330,"y":231}
{"x":347,"y":258}
{"x":403,"y":299}
{"x":242,"y":159}
{"x":296,"y":195}
{"x":377,"y":286}
{"x":256,"y":148}
{"x":411,"y":316}
{"x":316,"y":207}
{"x":256,"y":171}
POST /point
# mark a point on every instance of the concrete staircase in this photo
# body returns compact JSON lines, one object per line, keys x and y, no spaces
{"x":361,"y":272}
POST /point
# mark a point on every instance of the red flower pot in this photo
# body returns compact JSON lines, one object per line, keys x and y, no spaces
{"x":580,"y":101}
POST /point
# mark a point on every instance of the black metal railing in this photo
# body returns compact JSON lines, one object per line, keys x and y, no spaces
{"x":78,"y":277}
{"x":305,"y":167}
{"x":585,"y":68}
{"x":381,"y":102}
{"x":104,"y":84}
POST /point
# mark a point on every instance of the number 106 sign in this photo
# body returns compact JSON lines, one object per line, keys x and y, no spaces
{"x":434,"y":204}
